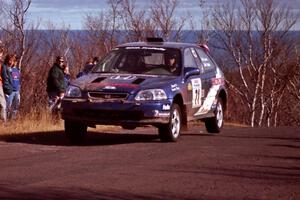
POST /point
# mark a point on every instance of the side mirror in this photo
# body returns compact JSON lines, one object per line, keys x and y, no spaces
{"x":191,"y":71}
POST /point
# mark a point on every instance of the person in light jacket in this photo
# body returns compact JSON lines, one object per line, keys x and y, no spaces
{"x":13,"y":101}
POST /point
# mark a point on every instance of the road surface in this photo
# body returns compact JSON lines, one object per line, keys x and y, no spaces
{"x":239,"y":163}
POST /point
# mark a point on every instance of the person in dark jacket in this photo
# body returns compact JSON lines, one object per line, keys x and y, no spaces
{"x":6,"y":75}
{"x":55,"y":82}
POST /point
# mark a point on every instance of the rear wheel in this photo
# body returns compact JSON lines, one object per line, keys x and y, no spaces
{"x":171,"y":131}
{"x":215,"y":124}
{"x":75,"y":131}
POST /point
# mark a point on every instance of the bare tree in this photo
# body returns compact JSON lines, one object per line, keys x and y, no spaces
{"x":165,"y":20}
{"x":98,"y":33}
{"x":114,"y":16}
{"x":102,"y":29}
{"x":16,"y":12}
{"x":136,"y":21}
{"x":23,"y":38}
{"x":294,"y":81}
{"x":255,"y":38}
{"x":200,"y":26}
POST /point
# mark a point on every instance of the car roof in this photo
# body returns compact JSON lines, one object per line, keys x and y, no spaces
{"x":177,"y":45}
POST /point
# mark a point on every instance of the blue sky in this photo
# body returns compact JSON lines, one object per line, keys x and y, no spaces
{"x":72,"y":12}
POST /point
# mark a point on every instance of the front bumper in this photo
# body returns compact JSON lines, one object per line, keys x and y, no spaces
{"x":116,"y":112}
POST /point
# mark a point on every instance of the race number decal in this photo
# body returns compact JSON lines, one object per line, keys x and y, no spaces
{"x":197,"y":87}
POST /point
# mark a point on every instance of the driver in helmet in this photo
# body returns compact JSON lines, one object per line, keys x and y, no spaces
{"x":172,"y":64}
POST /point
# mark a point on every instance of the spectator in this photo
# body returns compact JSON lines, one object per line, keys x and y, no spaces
{"x":95,"y":60}
{"x":88,"y":66}
{"x":13,"y":102}
{"x":2,"y":96}
{"x":67,"y":76}
{"x":6,"y":75}
{"x":55,"y":82}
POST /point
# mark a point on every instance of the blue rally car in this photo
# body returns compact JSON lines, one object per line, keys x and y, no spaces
{"x":164,"y":84}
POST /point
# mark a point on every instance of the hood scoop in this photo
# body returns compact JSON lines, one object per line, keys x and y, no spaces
{"x":138,"y":81}
{"x":98,"y":80}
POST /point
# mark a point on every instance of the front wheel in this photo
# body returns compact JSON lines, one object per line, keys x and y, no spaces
{"x":75,"y":131}
{"x":171,"y":131}
{"x":215,"y":124}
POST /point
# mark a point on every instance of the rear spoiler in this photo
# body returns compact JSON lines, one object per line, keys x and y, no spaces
{"x":204,"y":47}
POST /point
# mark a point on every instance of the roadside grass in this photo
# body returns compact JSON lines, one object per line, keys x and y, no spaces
{"x":39,"y":122}
{"x":32,"y":122}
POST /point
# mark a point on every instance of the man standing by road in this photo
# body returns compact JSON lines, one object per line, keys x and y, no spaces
{"x":55,"y":82}
{"x":2,"y":96}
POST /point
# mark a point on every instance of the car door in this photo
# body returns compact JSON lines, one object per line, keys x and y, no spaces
{"x":193,"y":82}
{"x":208,"y":74}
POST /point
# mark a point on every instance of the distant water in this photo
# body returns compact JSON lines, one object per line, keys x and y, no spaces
{"x":188,"y":36}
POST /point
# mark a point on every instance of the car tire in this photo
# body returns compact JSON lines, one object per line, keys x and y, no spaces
{"x":171,"y":131}
{"x":215,"y":124}
{"x":75,"y":131}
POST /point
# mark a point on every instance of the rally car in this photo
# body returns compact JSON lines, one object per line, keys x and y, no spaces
{"x":164,"y":84}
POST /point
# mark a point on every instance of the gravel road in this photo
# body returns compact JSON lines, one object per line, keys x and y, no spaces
{"x":239,"y":163}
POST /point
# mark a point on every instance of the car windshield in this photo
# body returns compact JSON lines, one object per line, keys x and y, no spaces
{"x":141,"y":60}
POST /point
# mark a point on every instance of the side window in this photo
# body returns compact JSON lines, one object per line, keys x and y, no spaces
{"x":198,"y":61}
{"x":208,"y":64}
{"x":189,"y":60}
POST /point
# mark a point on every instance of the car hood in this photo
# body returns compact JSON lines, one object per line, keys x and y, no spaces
{"x":122,"y":82}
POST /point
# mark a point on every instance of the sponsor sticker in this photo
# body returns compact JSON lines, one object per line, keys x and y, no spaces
{"x":132,"y":48}
{"x":218,"y":81}
{"x":120,"y":77}
{"x":206,"y":64}
{"x":197,"y":93}
{"x":110,"y":87}
{"x":154,"y":48}
{"x":174,"y":87}
{"x":163,"y":114}
{"x":166,"y":107}
{"x":204,"y":59}
{"x":189,"y":86}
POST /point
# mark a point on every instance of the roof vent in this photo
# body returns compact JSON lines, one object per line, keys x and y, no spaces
{"x":154,"y":39}
{"x":138,"y":81}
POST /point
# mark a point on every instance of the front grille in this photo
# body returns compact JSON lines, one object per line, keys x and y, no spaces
{"x":105,"y":95}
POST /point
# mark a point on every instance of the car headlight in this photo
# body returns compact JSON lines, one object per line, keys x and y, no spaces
{"x":152,"y":94}
{"x":73,"y":91}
